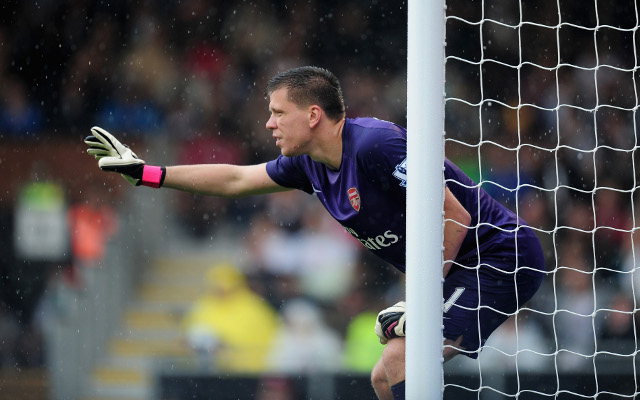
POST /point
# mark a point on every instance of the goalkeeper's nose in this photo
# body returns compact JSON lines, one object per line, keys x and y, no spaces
{"x":271,"y":124}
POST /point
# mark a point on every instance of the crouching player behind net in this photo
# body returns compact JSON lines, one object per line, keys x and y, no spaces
{"x":357,"y":169}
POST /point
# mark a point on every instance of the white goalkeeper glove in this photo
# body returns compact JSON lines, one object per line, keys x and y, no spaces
{"x":391,"y":322}
{"x":114,"y":156}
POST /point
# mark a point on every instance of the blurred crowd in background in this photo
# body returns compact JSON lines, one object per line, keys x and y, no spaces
{"x":184,"y":80}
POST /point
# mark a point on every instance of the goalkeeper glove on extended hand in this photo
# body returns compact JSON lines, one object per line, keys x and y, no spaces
{"x":114,"y":156}
{"x":391,"y":322}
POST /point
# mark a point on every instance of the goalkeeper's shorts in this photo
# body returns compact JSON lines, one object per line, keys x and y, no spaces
{"x":489,"y":292}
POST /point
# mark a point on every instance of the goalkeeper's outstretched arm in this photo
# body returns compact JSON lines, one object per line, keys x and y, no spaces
{"x":222,"y":180}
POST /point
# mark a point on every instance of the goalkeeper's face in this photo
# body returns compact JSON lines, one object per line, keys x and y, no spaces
{"x":289,"y":124}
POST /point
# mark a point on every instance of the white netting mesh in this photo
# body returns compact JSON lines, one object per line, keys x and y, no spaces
{"x":541,"y":111}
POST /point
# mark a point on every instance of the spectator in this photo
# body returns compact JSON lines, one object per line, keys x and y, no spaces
{"x":617,"y":324}
{"x":305,"y":344}
{"x":19,"y":115}
{"x":291,"y":243}
{"x":573,"y":324}
{"x":91,"y":225}
{"x":230,"y":324}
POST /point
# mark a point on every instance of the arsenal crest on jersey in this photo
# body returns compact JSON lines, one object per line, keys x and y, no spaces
{"x":354,"y":198}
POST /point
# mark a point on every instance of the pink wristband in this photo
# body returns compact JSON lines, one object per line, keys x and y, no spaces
{"x":151,"y":176}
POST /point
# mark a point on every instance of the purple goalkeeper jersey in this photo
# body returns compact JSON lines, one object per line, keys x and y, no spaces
{"x":367,"y":194}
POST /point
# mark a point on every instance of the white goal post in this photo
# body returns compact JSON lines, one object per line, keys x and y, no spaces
{"x":425,"y":127}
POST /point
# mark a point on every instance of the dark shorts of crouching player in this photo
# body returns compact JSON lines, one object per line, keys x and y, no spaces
{"x":477,"y":298}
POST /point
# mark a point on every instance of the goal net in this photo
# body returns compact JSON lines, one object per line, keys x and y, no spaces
{"x":541,"y":111}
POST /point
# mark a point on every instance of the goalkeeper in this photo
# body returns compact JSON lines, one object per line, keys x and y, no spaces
{"x":357,"y":170}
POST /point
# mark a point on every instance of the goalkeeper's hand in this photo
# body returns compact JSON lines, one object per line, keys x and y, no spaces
{"x":391,"y":322}
{"x":114,"y":156}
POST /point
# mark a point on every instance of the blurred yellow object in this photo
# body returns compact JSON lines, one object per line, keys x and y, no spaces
{"x":239,"y":324}
{"x":225,"y":276}
{"x":362,"y":347}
